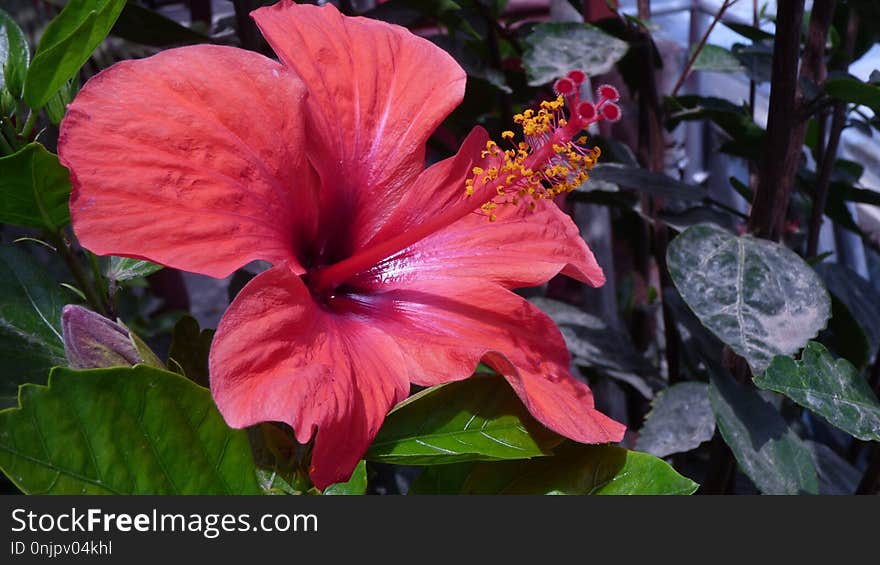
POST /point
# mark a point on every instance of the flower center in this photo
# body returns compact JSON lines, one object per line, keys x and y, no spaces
{"x":551,"y":160}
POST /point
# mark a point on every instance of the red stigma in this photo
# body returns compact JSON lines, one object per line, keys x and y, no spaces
{"x":586,"y":111}
{"x":611,"y":111}
{"x":577,"y":76}
{"x":608,"y":92}
{"x":564,"y":86}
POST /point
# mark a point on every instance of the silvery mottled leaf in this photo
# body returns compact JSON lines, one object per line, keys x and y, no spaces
{"x":769,"y":452}
{"x":757,"y":296}
{"x":124,"y":268}
{"x":681,"y":418}
{"x":554,"y":49}
{"x":595,"y":345}
{"x":831,"y":388}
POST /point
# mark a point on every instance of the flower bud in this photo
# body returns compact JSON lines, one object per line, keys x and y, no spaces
{"x":91,"y":341}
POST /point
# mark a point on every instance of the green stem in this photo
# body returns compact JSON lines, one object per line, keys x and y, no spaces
{"x":4,"y":146}
{"x":29,"y":124}
{"x":101,"y":283}
{"x":79,"y":274}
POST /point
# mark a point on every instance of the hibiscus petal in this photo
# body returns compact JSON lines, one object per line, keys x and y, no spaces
{"x":191,"y":158}
{"x":444,"y":327}
{"x":521,"y":248}
{"x":376,"y":92}
{"x":279,"y":356}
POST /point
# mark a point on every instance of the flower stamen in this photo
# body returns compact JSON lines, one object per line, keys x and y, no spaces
{"x":552,"y":159}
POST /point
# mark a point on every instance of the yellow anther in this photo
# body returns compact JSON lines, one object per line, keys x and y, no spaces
{"x":507,"y":134}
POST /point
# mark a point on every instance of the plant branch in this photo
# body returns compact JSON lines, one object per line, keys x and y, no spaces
{"x":65,"y":250}
{"x":785,"y":130}
{"x":693,"y":58}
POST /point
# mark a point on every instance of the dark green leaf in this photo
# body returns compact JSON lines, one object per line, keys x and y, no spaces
{"x":132,"y":430}
{"x":30,"y":322}
{"x":554,"y":49}
{"x":757,"y":296}
{"x":66,"y":44}
{"x":649,"y":182}
{"x":34,"y":189}
{"x":749,"y":32}
{"x":831,"y":389}
{"x":477,"y":419}
{"x":716,"y":59}
{"x":747,"y":137}
{"x":769,"y":452}
{"x":860,"y":297}
{"x":756,"y":60}
{"x":852,"y":90}
{"x":357,"y":484}
{"x":576,"y":469}
{"x":681,"y":419}
{"x":836,"y":476}
{"x":597,"y":347}
{"x":147,"y":27}
{"x":441,"y":479}
{"x":845,"y":336}
{"x":124,"y":268}
{"x":280,"y":461}
{"x":14,"y":56}
{"x":189,"y":350}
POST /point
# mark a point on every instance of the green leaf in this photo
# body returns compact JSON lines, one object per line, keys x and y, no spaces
{"x":749,"y":32}
{"x":831,"y":389}
{"x":576,"y":469}
{"x":736,"y":121}
{"x":769,"y":452}
{"x":597,"y":347}
{"x":554,"y":49}
{"x":144,"y":26}
{"x":34,"y":189}
{"x":14,"y":56}
{"x":836,"y":476}
{"x":131,"y":430}
{"x":649,"y":182}
{"x":859,"y":296}
{"x":681,"y":418}
{"x":357,"y":484}
{"x":281,"y":462}
{"x":477,"y":419}
{"x":124,"y":268}
{"x":756,"y":60}
{"x":716,"y":59}
{"x":852,"y":90}
{"x":30,"y":322}
{"x":66,"y":44}
{"x":757,"y":296}
{"x":189,"y":350}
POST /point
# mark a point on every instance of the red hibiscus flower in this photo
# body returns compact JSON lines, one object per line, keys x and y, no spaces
{"x":384,"y":273}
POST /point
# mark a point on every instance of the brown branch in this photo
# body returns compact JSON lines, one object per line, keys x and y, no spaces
{"x":829,"y":152}
{"x":693,"y":58}
{"x":785,"y":128}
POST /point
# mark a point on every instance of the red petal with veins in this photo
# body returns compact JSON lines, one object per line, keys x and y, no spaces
{"x":176,"y":158}
{"x":445,"y":326}
{"x":376,"y":92}
{"x":521,"y":248}
{"x":277,"y":356}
